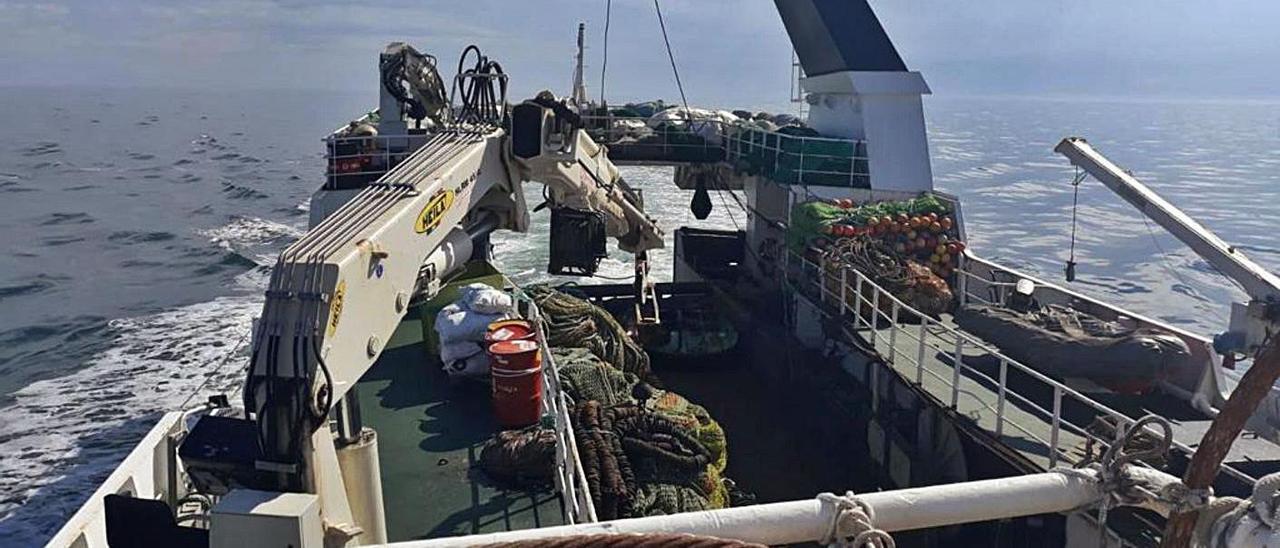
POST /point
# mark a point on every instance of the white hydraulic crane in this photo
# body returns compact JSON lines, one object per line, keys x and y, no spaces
{"x":1251,"y":323}
{"x":338,"y":293}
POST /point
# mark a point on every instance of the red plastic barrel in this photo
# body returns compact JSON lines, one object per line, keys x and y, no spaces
{"x":509,"y":330}
{"x":516,"y":373}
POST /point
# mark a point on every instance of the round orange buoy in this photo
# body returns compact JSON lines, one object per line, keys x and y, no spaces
{"x":516,"y":373}
{"x":509,"y":330}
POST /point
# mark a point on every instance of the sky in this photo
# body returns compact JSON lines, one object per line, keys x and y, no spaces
{"x":730,"y":52}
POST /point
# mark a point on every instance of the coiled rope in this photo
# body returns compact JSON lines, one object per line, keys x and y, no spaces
{"x":852,"y":523}
{"x":1130,"y":446}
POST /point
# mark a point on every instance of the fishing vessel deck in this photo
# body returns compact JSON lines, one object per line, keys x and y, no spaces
{"x":1050,"y":422}
{"x":430,"y":432}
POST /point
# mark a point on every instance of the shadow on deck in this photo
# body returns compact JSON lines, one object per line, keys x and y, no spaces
{"x":430,"y":432}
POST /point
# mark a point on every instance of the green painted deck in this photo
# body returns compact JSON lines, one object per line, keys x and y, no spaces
{"x":430,"y":432}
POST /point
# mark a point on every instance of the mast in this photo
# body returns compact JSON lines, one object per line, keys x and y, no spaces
{"x":579,"y":95}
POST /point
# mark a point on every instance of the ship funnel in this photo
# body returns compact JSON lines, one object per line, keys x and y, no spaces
{"x":858,"y":87}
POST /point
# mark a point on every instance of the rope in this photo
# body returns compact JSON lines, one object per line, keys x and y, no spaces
{"x":604,"y":64}
{"x":852,"y":523}
{"x":1132,"y":445}
{"x":663,"y":25}
{"x":226,"y":358}
{"x":1075,"y":205}
{"x":629,"y":540}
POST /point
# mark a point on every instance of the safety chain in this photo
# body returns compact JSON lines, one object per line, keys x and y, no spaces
{"x":852,"y":523}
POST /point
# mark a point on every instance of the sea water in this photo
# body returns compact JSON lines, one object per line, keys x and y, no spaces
{"x":138,"y":225}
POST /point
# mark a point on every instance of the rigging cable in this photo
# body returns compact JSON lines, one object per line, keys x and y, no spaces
{"x":663,"y":25}
{"x":1164,"y":262}
{"x":604,"y":64}
{"x":1075,"y":206}
{"x":210,"y":376}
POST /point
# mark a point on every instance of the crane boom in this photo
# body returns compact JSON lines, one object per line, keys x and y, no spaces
{"x":1252,"y":322}
{"x":338,"y":293}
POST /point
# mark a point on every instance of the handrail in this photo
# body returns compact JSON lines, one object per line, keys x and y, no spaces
{"x":571,"y":479}
{"x":374,"y":156}
{"x":784,"y":158}
{"x":929,"y":326}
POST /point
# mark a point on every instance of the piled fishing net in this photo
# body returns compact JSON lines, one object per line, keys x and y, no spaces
{"x":641,"y":463}
{"x":694,"y":418}
{"x":645,"y":450}
{"x":574,"y":322}
{"x":585,"y":377}
{"x":607,"y":469}
{"x":909,"y":281}
{"x":653,"y":499}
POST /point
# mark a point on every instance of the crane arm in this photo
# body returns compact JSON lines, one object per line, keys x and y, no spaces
{"x":338,"y":293}
{"x":1253,"y":322}
{"x":551,"y":147}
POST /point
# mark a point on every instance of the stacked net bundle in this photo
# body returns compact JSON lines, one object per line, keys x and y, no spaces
{"x":575,"y":323}
{"x":521,"y":458}
{"x":645,"y":450}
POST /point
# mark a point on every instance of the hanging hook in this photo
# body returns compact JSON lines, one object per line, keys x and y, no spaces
{"x":1075,"y":205}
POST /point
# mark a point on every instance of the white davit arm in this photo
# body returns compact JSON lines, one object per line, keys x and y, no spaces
{"x":1250,"y":324}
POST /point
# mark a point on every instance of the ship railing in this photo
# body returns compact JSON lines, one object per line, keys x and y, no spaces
{"x":798,"y":159}
{"x":861,"y":304}
{"x":355,"y":160}
{"x":781,"y":157}
{"x":570,"y":477}
{"x":636,"y":140}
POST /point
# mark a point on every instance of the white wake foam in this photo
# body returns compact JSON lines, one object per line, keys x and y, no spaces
{"x":256,"y":239}
{"x":62,"y":436}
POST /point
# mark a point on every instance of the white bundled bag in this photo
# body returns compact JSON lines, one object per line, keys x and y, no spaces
{"x":454,"y":324}
{"x":485,"y":299}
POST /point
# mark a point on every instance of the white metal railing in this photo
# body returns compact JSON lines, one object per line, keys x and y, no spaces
{"x":799,"y":160}
{"x":570,"y":479}
{"x":784,"y":159}
{"x":631,"y":139}
{"x":856,"y":291}
{"x":366,"y":157}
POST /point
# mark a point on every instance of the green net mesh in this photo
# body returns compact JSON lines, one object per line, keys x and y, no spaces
{"x":645,"y":451}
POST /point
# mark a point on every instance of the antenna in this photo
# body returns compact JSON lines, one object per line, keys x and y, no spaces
{"x":797,"y":87}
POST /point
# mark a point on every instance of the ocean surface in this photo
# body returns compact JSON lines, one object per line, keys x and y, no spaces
{"x":137,"y":226}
